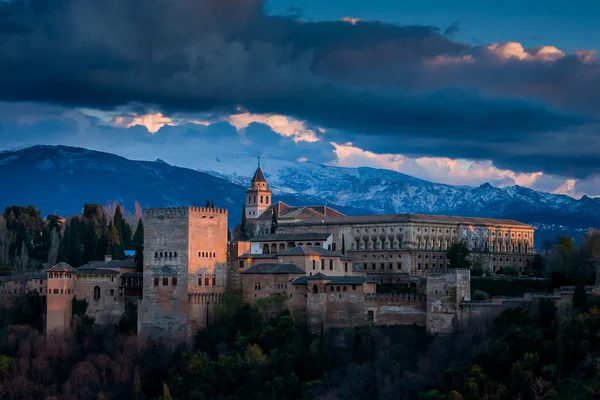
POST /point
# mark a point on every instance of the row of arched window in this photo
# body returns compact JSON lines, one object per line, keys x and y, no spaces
{"x":170,"y":254}
{"x":263,"y":199}
{"x":207,"y":254}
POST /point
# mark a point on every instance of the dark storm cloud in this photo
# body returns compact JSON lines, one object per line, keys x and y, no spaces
{"x":372,"y":80}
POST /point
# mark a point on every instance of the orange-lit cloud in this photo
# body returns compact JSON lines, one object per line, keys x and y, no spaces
{"x":283,"y":125}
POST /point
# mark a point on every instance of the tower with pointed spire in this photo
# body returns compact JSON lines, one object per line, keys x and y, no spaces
{"x":258,"y":195}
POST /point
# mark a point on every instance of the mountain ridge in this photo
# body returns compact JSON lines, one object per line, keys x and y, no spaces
{"x":63,"y":178}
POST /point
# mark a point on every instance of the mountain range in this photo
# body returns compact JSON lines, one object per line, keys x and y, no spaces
{"x":61,"y":179}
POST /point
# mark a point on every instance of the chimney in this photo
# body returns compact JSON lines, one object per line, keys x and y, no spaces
{"x":107,"y":257}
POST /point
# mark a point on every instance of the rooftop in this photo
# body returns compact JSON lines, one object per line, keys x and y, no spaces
{"x":113,"y":264}
{"x":309,"y":251}
{"x":274,"y":269}
{"x":95,"y":271}
{"x":291,"y":237}
{"x":61,"y":267}
{"x":405,"y":218}
{"x":258,"y":176}
{"x":334,"y":280}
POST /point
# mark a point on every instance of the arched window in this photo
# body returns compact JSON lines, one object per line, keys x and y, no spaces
{"x":274,"y":248}
{"x":214,"y":254}
{"x":175,"y":254}
{"x":309,"y":244}
{"x":344,"y":289}
{"x":96,"y":292}
{"x":266,"y":249}
{"x":160,"y":254}
{"x":199,"y":254}
{"x":315,"y":289}
{"x":170,"y":254}
{"x":202,"y":254}
{"x":267,"y":200}
{"x":337,"y":289}
{"x":249,"y":199}
{"x":261,"y":199}
{"x":156,"y":254}
{"x":281,"y":248}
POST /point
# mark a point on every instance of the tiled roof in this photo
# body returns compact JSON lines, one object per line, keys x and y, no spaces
{"x":274,"y":269}
{"x":61,"y":267}
{"x":27,"y":276}
{"x":333,"y":280}
{"x":132,"y":275}
{"x":285,"y":211}
{"x":257,"y":256}
{"x":113,"y":264}
{"x":309,"y":250}
{"x":95,"y":271}
{"x":291,"y":237}
{"x":259,"y":176}
{"x":402,"y":218}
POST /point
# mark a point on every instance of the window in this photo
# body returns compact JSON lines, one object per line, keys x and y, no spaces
{"x":199,"y":281}
{"x":155,"y":281}
{"x":382,"y":266}
{"x":160,"y":254}
{"x":56,"y":291}
{"x":345,"y":267}
{"x":256,"y":285}
{"x":112,"y":292}
{"x":170,"y":254}
{"x":214,"y":281}
{"x":373,"y":267}
{"x":331,"y":288}
{"x":391,"y":266}
{"x":61,"y":291}
{"x":314,"y":264}
{"x":241,"y":263}
{"x":175,"y":254}
{"x":96,"y":292}
{"x":156,"y":254}
{"x":165,"y":281}
{"x":322,"y":263}
{"x":344,"y":289}
{"x":206,"y":281}
{"x":174,"y":281}
{"x":365,"y":266}
{"x":267,"y":199}
{"x":261,"y":199}
{"x":399,"y":266}
{"x":331,"y":265}
{"x":337,"y":289}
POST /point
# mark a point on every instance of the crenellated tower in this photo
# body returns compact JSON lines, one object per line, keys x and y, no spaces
{"x":258,"y":195}
{"x":185,"y":269}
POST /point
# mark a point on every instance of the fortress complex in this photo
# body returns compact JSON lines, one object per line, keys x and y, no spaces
{"x":325,"y":267}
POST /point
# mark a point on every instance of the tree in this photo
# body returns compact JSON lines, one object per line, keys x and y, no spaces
{"x":243,"y":228}
{"x":212,"y":205}
{"x":114,"y":243}
{"x":138,"y":242}
{"x":166,"y":394}
{"x":137,"y":386}
{"x":75,"y":248}
{"x":274,"y":222}
{"x":54,"y":245}
{"x":6,"y":242}
{"x":458,"y":255}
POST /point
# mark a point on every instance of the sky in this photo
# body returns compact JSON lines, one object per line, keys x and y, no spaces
{"x":458,"y":92}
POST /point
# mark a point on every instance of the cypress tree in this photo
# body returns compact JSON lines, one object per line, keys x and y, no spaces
{"x":114,"y":243}
{"x":274,"y":222}
{"x":64,"y":251}
{"x":212,"y":205}
{"x":138,"y":241}
{"x":207,"y":203}
{"x":126,"y":236}
{"x":75,"y":247}
{"x":243,"y":232}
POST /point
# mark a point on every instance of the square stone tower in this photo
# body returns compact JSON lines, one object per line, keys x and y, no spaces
{"x":59,"y":306}
{"x":446,"y":289}
{"x":185,"y":270}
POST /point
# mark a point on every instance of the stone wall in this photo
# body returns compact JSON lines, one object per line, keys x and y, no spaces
{"x":445,"y":290}
{"x":396,"y":309}
{"x":109,"y":307}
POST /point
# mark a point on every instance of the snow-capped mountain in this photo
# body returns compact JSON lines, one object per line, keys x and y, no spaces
{"x":62,"y":179}
{"x":385,"y":191}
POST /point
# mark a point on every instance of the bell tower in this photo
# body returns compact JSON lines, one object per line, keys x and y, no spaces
{"x":258,"y":195}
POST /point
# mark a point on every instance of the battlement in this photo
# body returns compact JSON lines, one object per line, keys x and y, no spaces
{"x":395,"y":298}
{"x":183,"y":211}
{"x":449,"y":271}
